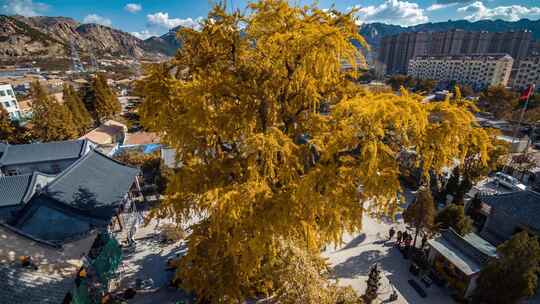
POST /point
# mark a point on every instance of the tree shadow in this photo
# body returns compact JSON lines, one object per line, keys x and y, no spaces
{"x":84,"y":199}
{"x":357,"y":265}
{"x":355,"y":242}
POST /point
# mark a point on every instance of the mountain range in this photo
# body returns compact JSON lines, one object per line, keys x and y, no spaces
{"x":54,"y":36}
{"x":373,"y":32}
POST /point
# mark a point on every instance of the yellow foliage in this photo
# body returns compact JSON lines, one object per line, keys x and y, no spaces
{"x":278,"y":146}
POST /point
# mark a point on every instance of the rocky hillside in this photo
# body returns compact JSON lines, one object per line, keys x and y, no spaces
{"x":51,"y":36}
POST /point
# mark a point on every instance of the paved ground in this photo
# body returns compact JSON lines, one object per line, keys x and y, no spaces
{"x":352,"y":261}
{"x":145,"y":262}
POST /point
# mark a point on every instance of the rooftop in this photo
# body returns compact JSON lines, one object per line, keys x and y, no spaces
{"x":92,"y":183}
{"x":468,"y":253}
{"x":141,"y":138}
{"x":107,"y":133}
{"x":42,"y":152}
{"x":494,"y":56}
{"x":18,"y":189}
{"x":23,"y":285}
{"x":524,"y":206}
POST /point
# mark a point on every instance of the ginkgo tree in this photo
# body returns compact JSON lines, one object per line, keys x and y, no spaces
{"x":279,"y":148}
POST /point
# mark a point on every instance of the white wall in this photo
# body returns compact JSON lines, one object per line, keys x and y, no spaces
{"x":9,"y":102}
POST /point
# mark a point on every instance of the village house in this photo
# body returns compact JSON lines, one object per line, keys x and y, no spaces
{"x":108,"y":135}
{"x":458,"y":260}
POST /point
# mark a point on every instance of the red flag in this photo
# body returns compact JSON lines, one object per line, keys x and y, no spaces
{"x":527,"y":93}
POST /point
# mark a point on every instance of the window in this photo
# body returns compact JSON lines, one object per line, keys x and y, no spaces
{"x":10,"y":92}
{"x":7,"y":104}
{"x":2,"y":93}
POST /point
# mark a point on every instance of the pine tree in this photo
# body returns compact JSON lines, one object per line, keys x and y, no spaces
{"x":421,"y":213}
{"x":100,"y":100}
{"x":373,"y":284}
{"x":514,"y":275}
{"x":83,"y":119}
{"x":278,"y":144}
{"x":7,"y":128}
{"x":454,"y":216}
{"x":50,"y":120}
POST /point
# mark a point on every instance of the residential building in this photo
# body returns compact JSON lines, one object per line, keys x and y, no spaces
{"x":8,"y":101}
{"x":478,"y":71}
{"x":109,"y":133}
{"x":395,"y":51}
{"x":48,"y":158}
{"x":458,"y":259}
{"x":528,"y":72}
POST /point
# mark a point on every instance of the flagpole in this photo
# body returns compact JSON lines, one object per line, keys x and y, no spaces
{"x":521,"y":116}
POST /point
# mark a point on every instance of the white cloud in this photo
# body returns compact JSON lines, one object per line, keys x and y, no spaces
{"x":392,"y":12}
{"x":478,"y":11}
{"x":162,"y":19}
{"x":93,"y":18}
{"x":144,"y":34}
{"x":133,"y":7}
{"x":439,"y":6}
{"x":24,"y":7}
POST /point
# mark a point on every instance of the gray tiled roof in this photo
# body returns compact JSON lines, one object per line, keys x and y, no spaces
{"x":524,"y":206}
{"x":22,"y":285}
{"x":18,"y":189}
{"x":2,"y":148}
{"x":469,"y":253}
{"x":13,"y":189}
{"x":42,"y":152}
{"x":95,"y":184}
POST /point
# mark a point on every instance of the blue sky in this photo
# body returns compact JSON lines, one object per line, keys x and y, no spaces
{"x":145,"y":18}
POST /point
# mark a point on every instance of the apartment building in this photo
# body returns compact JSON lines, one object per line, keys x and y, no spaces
{"x":528,"y":72}
{"x":8,"y":101}
{"x":478,"y":71}
{"x":395,"y":51}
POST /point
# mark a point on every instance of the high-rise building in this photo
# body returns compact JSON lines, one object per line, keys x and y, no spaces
{"x":528,"y":72}
{"x":478,"y":71}
{"x":396,"y":51}
{"x":9,"y":102}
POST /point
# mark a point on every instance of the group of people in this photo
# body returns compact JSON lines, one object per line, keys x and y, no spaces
{"x":403,"y":237}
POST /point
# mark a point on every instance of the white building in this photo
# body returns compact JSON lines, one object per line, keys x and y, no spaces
{"x":528,"y":73}
{"x":478,"y":70}
{"x":9,"y":102}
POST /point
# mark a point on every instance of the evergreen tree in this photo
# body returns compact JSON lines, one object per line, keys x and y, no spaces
{"x":7,"y":128}
{"x":100,"y":99}
{"x":452,"y":186}
{"x":421,"y":213}
{"x":82,"y":119}
{"x":454,"y":216}
{"x":373,"y":284}
{"x":51,"y":121}
{"x":514,"y":275}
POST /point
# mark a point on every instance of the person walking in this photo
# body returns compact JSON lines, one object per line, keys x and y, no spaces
{"x":424,"y":241}
{"x":399,"y":237}
{"x":391,"y":233}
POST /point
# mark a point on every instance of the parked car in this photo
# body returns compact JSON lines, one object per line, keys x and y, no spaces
{"x":509,"y":181}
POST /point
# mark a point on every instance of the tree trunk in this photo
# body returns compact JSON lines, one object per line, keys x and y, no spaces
{"x":416,"y":236}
